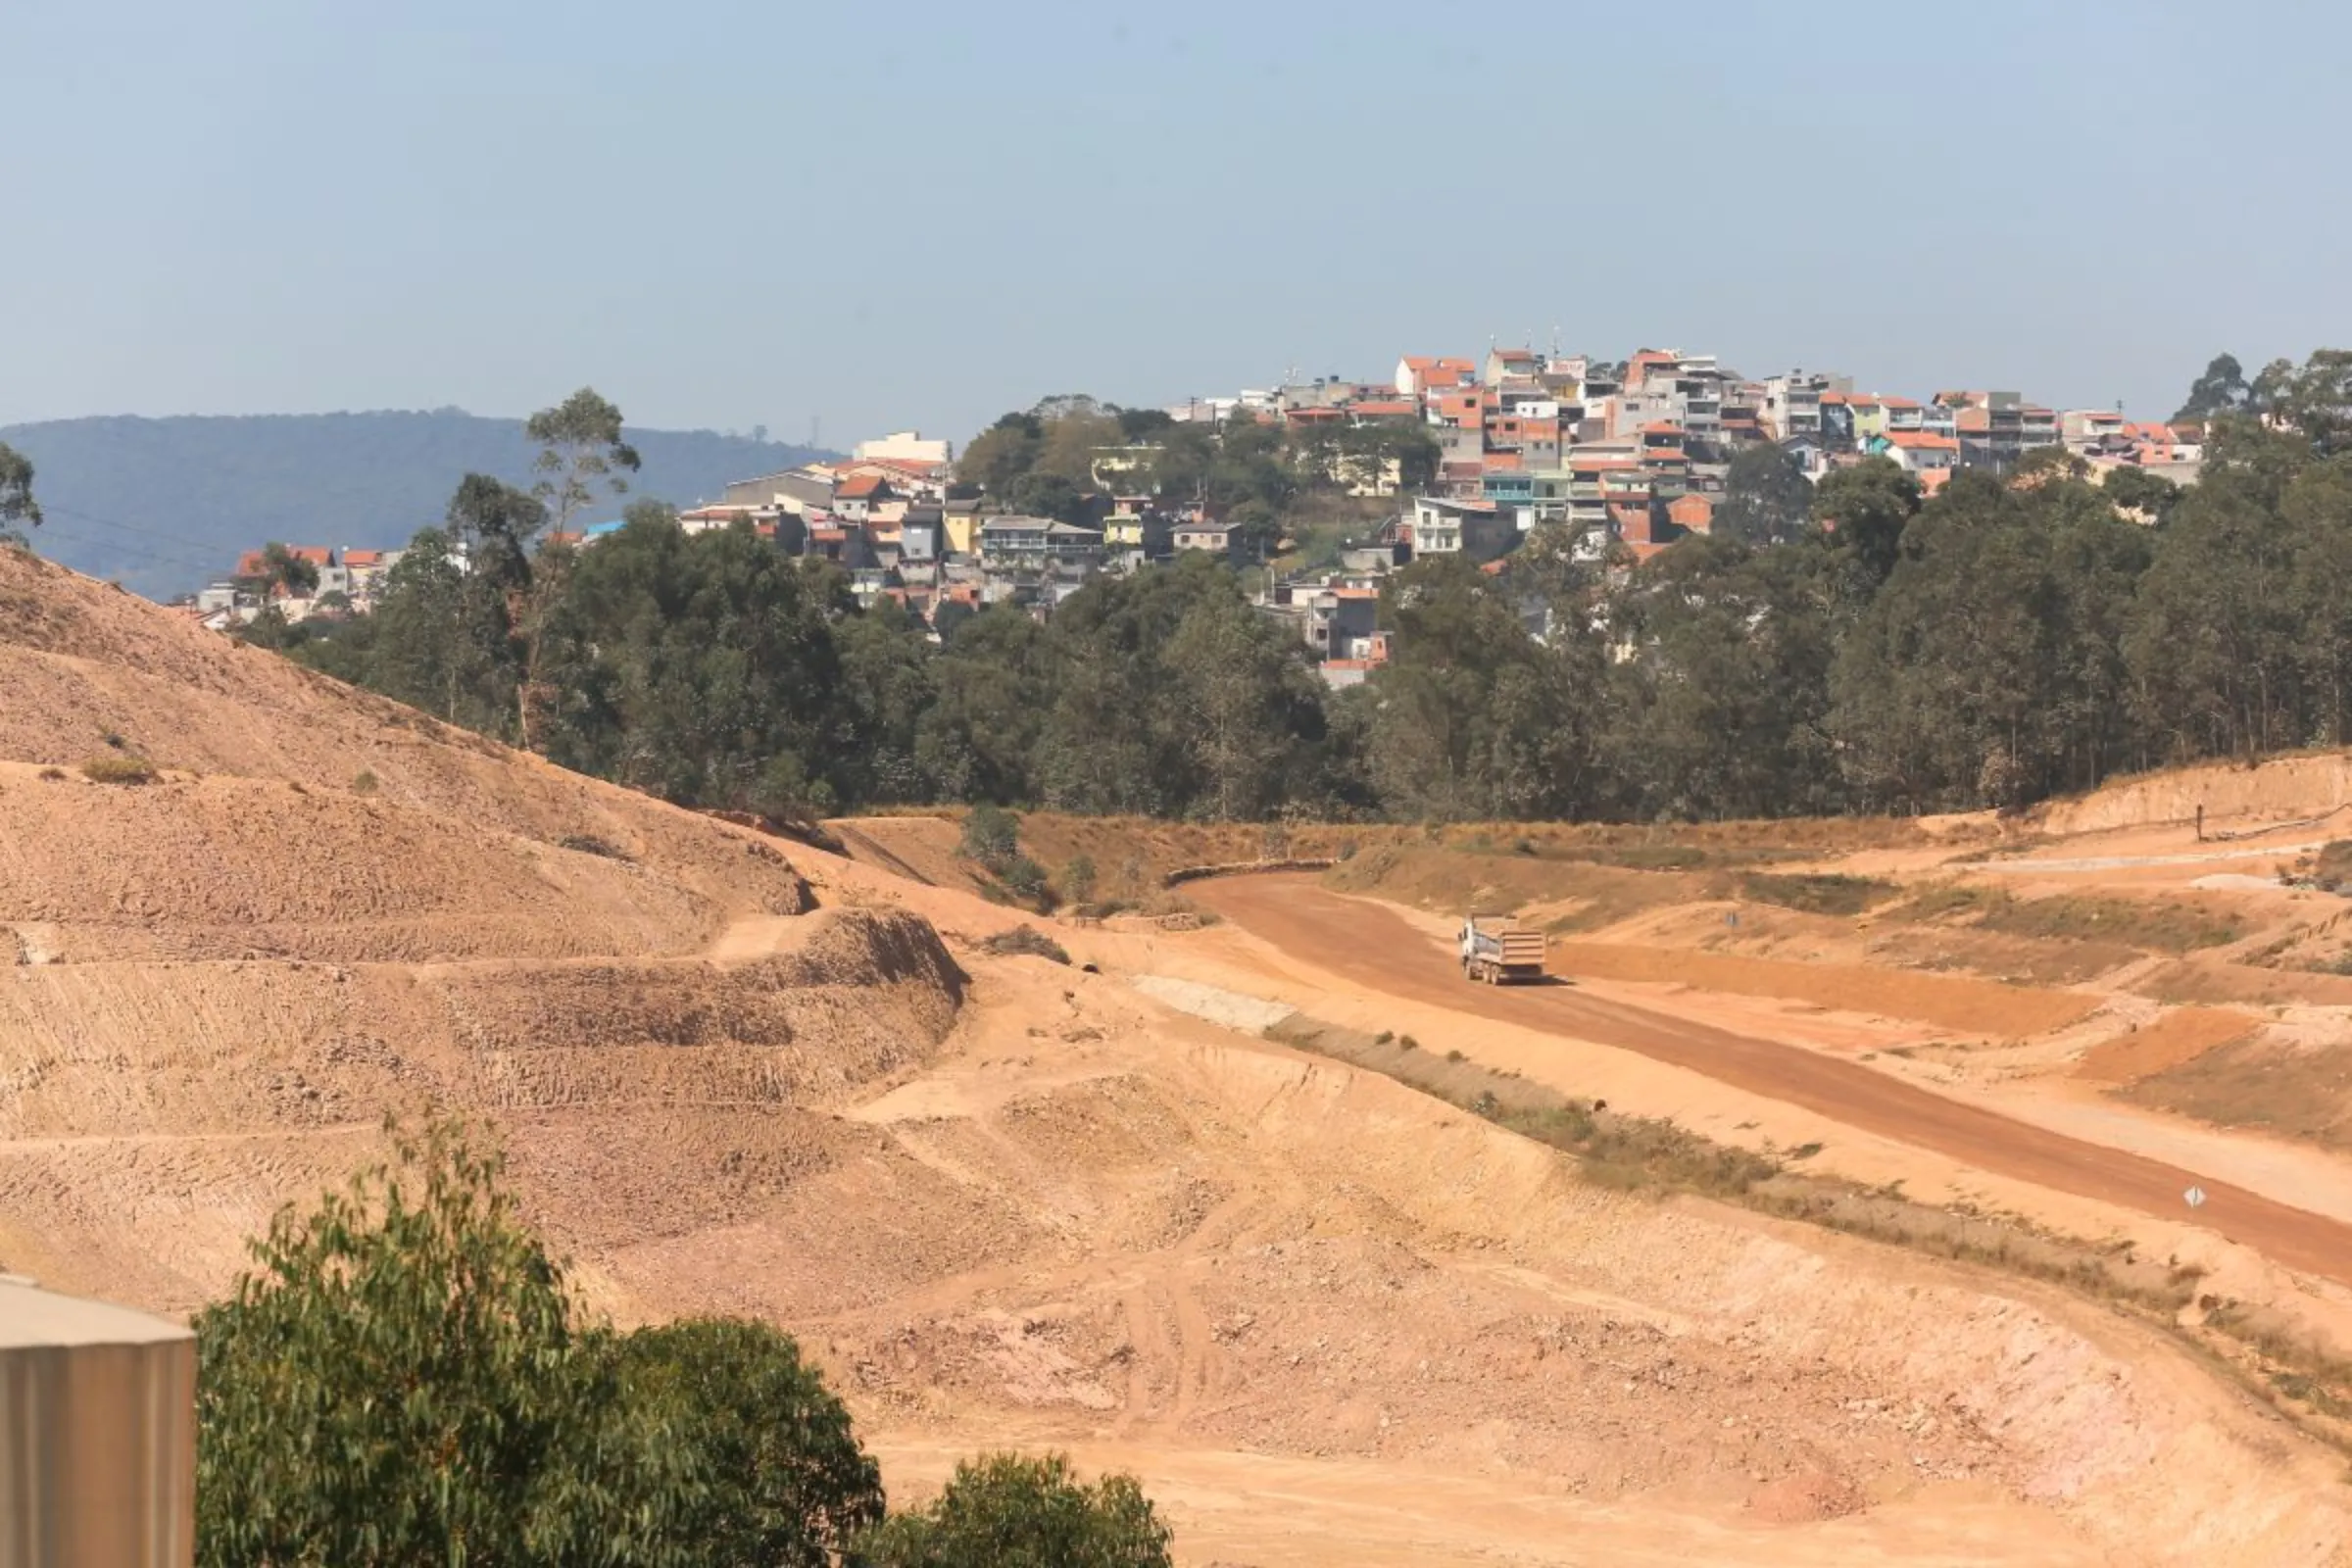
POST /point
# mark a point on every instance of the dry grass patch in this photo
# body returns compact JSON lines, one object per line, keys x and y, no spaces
{"x":2249,"y":1082}
{"x":2155,"y":925}
{"x":1025,"y":942}
{"x":119,"y":769}
{"x":1816,"y":894}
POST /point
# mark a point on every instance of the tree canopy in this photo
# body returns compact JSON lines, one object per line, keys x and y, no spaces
{"x":1766,"y":498}
{"x":2222,"y":389}
{"x":18,"y":509}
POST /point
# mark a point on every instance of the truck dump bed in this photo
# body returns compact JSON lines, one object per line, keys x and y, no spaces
{"x":1498,"y":949}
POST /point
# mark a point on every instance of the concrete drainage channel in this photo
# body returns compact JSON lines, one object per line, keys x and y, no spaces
{"x":1228,"y":1010}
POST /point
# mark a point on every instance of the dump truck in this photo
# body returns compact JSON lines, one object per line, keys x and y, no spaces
{"x":1498,"y":950}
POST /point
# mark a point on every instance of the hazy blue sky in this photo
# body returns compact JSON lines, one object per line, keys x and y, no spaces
{"x":924,"y":213}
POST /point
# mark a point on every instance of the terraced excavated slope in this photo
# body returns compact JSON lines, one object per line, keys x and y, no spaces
{"x":1329,"y":1320}
{"x":213,"y":986}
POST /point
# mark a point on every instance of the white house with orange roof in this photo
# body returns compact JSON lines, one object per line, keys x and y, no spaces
{"x":1420,"y":376}
{"x":1917,"y":451}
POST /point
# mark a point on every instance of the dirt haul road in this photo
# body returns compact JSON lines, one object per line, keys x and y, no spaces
{"x":1371,"y":947}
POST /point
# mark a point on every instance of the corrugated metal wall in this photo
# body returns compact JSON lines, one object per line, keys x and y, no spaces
{"x":98,"y":1450}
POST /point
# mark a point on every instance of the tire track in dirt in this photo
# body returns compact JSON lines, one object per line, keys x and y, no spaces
{"x":1368,"y":945}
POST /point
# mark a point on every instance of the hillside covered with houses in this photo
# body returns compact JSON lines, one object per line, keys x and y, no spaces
{"x":1681,"y":595}
{"x":1321,"y":489}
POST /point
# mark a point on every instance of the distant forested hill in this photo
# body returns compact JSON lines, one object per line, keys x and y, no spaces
{"x":165,"y":504}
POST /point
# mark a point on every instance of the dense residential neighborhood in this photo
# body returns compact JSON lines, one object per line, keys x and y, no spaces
{"x":1450,"y":455}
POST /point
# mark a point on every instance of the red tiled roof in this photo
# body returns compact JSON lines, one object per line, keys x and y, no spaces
{"x":860,"y":488}
{"x":1665,"y":455}
{"x":363,"y":557}
{"x":1389,"y":406}
{"x":1661,"y":427}
{"x":1898,"y":402}
{"x":1920,"y":441}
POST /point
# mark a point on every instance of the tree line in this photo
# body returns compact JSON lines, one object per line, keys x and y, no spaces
{"x":1854,"y":648}
{"x":405,"y":1377}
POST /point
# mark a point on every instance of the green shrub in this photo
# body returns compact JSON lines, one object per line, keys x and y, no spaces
{"x":992,"y":835}
{"x":1026,"y":881}
{"x":1078,"y":879}
{"x":1008,"y":1512}
{"x":362,"y":782}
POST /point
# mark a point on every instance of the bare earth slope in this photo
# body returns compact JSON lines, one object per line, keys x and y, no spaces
{"x":214,"y":986}
{"x":1330,"y":1321}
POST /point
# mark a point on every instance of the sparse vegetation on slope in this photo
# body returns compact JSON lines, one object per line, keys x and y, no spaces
{"x":2156,"y":924}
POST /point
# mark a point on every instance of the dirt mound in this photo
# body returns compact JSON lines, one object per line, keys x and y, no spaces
{"x":2232,"y":796}
{"x":325,"y":907}
{"x":2173,"y":1041}
{"x":88,"y":671}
